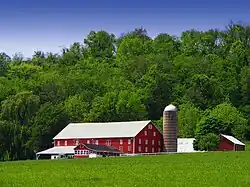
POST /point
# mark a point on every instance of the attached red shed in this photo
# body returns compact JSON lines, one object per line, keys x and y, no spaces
{"x":84,"y":150}
{"x":230,"y":143}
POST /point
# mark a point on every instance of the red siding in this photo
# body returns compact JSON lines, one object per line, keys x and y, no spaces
{"x":154,"y":143}
{"x":125,"y":146}
{"x":81,"y":148}
{"x":226,"y":145}
{"x":115,"y":142}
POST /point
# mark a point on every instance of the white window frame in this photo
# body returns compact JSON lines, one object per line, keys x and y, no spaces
{"x":96,"y":142}
{"x":146,"y":149}
{"x":145,"y":133}
{"x":154,"y":133}
{"x":153,"y":142}
{"x":88,"y":141}
{"x":65,"y":142}
{"x":86,"y":152}
{"x":77,"y":142}
{"x":129,"y":141}
{"x":121,"y":141}
{"x":139,"y":148}
{"x":153,"y":149}
{"x":146,"y":142}
{"x":139,"y":140}
{"x":150,"y":126}
{"x":108,"y":142}
{"x":58,"y":143}
{"x":159,"y":142}
{"x":159,"y":149}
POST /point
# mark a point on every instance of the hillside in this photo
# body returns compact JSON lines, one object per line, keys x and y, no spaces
{"x":107,"y":78}
{"x":197,"y":169}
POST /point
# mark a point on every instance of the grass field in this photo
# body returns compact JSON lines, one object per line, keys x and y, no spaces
{"x":196,"y":169}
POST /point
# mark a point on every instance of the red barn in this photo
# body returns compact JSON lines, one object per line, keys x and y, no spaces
{"x":229,"y":143}
{"x":127,"y":137}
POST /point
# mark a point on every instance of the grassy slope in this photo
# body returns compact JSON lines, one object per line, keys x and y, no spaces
{"x":197,"y":169}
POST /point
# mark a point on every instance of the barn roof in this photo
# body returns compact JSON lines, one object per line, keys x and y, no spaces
{"x":58,"y":150}
{"x":232,"y":139}
{"x":102,"y":130}
{"x":101,"y":148}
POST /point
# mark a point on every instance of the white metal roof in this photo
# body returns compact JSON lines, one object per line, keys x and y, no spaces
{"x":170,"y":108}
{"x":57,"y":150}
{"x":101,"y":130}
{"x":232,"y":139}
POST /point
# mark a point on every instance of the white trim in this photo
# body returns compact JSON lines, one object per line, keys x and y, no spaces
{"x":232,"y":139}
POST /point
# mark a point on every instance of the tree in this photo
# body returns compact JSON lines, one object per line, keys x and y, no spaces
{"x":226,"y":119}
{"x":208,"y":142}
{"x":100,"y":44}
{"x":188,"y":117}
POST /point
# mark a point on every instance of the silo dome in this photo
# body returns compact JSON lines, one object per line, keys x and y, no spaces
{"x":170,"y":108}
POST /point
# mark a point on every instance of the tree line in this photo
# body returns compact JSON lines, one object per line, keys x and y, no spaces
{"x":206,"y":74}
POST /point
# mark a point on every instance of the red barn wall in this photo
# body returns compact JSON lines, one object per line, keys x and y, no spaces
{"x":225,"y":145}
{"x":239,"y":148}
{"x":122,"y":144}
{"x":149,"y":142}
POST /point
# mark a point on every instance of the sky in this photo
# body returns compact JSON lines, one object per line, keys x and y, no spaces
{"x":48,"y":25}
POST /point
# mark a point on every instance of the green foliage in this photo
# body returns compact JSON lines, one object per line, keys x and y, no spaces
{"x":207,"y":142}
{"x":188,"y":117}
{"x":224,"y":118}
{"x":132,"y":77}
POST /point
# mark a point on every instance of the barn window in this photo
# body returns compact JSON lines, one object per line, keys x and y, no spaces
{"x":159,"y":142}
{"x":139,"y":140}
{"x":77,"y":142}
{"x":154,"y":134}
{"x":129,"y":141}
{"x":149,"y":126}
{"x":146,"y":142}
{"x":58,"y":143}
{"x":153,"y":149}
{"x":159,"y":149}
{"x":145,"y":133}
{"x":108,"y":142}
{"x":96,"y":142}
{"x":146,"y":149}
{"x":153,"y":142}
{"x":65,"y":143}
{"x":88,"y":141}
{"x":129,"y":148}
{"x":86,"y":152}
{"x":139,"y":148}
{"x":121,"y":142}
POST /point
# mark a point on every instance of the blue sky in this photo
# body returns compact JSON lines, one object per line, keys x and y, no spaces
{"x":48,"y":25}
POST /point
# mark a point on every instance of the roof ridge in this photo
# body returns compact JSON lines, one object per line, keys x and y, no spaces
{"x":81,"y":123}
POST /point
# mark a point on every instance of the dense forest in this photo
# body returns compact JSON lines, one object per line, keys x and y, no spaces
{"x":206,"y":74}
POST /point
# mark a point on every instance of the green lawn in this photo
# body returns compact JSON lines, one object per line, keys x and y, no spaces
{"x":197,"y":169}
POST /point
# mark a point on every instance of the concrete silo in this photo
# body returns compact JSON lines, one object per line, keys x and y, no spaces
{"x":170,"y":129}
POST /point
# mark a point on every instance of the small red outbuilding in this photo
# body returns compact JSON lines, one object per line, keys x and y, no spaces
{"x":230,"y":143}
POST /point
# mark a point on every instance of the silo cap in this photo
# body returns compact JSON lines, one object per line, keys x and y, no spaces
{"x":170,"y":108}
